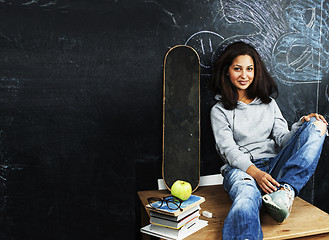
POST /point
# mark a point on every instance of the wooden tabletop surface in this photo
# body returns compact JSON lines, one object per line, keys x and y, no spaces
{"x":305,"y":219}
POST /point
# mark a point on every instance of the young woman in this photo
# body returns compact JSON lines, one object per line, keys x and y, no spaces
{"x":262,"y":157}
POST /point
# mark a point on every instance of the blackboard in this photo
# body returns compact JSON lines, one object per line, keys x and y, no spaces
{"x":81,"y":100}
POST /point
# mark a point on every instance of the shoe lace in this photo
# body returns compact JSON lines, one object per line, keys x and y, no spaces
{"x":289,"y":196}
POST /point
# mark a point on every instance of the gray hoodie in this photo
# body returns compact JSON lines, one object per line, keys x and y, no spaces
{"x":250,"y":131}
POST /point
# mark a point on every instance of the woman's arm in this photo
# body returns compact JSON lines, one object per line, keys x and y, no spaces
{"x":225,"y":142}
{"x":280,"y":131}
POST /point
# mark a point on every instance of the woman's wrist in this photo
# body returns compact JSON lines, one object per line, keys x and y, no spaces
{"x":253,"y":170}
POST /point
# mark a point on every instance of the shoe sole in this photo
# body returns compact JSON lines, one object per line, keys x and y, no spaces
{"x":274,"y":210}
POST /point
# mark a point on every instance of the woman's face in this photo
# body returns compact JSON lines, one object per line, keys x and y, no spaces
{"x":241,"y":72}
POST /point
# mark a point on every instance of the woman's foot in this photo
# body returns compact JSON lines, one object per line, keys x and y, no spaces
{"x":279,"y":203}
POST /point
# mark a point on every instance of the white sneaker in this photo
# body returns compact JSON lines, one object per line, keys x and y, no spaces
{"x":279,"y":203}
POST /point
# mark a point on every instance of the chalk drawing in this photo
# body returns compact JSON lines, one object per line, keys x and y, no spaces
{"x":31,"y":2}
{"x":288,"y":36}
{"x":266,"y":16}
{"x":3,"y":173}
{"x":294,"y":59}
{"x":48,"y":4}
{"x":204,"y":42}
{"x":255,"y":22}
{"x":168,"y":13}
{"x":6,"y":171}
{"x":327,"y":93}
{"x":296,"y":56}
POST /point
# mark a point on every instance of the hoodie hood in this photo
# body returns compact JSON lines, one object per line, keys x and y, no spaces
{"x":256,"y":101}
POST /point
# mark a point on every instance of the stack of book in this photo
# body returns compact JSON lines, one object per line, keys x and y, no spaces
{"x":175,"y":224}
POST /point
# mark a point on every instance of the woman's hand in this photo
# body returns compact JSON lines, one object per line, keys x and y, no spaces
{"x":316,"y":115}
{"x":263,"y":179}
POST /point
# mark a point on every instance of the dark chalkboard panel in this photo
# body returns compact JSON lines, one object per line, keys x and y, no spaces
{"x":81,"y":100}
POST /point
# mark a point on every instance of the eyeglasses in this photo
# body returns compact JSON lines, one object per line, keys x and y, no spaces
{"x":173,"y":203}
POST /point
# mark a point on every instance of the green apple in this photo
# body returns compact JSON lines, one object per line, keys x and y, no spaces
{"x":181,"y":189}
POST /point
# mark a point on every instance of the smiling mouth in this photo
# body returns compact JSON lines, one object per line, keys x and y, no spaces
{"x":243,"y":82}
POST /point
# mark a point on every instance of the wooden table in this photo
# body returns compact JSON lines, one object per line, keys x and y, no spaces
{"x":304,"y":222}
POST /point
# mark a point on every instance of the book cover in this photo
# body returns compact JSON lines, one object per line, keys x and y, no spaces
{"x":174,"y":232}
{"x":174,"y":224}
{"x":186,"y":205}
{"x":166,"y":233}
{"x":174,"y":218}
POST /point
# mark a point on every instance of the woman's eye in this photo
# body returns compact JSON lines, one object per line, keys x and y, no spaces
{"x":236,"y":69}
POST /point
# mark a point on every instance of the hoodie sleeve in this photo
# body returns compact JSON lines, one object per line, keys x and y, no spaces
{"x":225,"y":144}
{"x":280,"y":131}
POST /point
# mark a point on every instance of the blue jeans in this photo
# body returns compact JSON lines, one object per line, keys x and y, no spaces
{"x":294,"y":164}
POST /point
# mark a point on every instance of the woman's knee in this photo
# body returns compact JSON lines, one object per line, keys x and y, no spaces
{"x":248,"y":200}
{"x":321,"y":126}
{"x":247,"y":190}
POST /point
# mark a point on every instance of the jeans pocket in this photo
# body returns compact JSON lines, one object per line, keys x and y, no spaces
{"x":225,"y":169}
{"x":263,"y":163}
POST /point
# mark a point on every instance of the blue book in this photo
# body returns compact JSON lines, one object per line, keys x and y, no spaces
{"x":193,"y":201}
